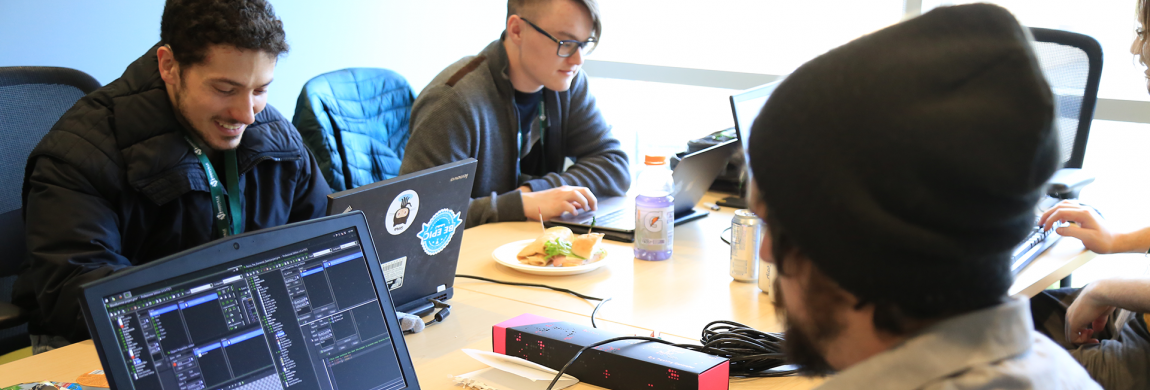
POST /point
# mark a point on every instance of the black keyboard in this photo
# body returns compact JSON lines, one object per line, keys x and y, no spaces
{"x":1031,"y":247}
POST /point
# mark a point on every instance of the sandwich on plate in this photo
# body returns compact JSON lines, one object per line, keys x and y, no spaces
{"x":558,"y":247}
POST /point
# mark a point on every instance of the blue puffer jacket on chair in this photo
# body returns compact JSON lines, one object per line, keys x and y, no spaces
{"x":355,"y":121}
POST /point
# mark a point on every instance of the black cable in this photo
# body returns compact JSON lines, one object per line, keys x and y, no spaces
{"x":529,"y":285}
{"x":724,"y":238}
{"x":593,"y":311}
{"x":440,"y":316}
{"x":752,"y":353}
{"x":596,"y":344}
{"x":587,"y":297}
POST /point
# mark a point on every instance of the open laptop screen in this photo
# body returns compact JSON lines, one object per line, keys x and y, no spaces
{"x":746,"y":106}
{"x":304,"y":314}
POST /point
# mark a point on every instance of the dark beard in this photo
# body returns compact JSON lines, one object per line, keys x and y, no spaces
{"x":178,"y":108}
{"x":799,"y":346}
{"x":182,"y":119}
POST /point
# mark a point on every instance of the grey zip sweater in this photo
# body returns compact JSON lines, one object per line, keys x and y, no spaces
{"x":468,"y":110}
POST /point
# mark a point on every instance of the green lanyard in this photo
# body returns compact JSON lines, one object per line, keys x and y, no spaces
{"x":222,"y":214}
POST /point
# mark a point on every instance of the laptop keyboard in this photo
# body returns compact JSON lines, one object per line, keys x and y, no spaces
{"x":1031,"y":247}
{"x":608,"y":218}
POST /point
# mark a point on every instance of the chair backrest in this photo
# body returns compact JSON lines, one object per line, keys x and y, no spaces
{"x":356,"y":123}
{"x":32,"y":99}
{"x":1072,"y":64}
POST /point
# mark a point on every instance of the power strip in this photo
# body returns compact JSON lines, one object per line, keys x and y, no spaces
{"x":627,"y":364}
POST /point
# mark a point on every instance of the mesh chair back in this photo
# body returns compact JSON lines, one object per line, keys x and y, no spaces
{"x":32,"y":99}
{"x":1072,"y":64}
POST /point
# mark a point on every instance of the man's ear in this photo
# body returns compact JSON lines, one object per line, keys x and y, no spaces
{"x":169,"y":68}
{"x":514,"y":30}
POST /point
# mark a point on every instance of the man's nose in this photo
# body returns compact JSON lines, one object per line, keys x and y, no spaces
{"x":244,"y":110}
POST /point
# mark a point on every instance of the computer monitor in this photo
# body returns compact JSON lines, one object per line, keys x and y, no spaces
{"x":746,"y":106}
{"x":300,"y":305}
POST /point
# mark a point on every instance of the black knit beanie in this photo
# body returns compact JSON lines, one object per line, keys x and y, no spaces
{"x":906,"y":164}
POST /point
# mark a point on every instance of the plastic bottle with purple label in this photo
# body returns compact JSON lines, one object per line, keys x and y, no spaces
{"x":654,"y":210}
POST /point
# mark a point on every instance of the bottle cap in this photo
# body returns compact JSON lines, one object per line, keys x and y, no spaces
{"x":655,"y":160}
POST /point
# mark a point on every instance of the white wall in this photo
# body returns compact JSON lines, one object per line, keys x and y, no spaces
{"x":415,"y":38}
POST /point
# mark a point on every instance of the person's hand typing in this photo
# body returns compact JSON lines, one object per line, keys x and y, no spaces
{"x":555,"y":201}
{"x":1090,"y":228}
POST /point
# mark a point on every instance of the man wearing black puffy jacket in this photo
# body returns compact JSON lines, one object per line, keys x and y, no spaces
{"x":180,"y":150}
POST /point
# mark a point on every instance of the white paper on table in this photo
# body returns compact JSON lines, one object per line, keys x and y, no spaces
{"x":510,"y":373}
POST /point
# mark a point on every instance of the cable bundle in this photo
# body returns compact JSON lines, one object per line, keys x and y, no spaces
{"x":752,"y":353}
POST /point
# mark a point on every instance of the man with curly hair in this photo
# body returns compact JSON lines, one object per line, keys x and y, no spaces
{"x":180,"y":150}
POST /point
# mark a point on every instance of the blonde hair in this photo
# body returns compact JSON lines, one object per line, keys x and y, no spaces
{"x":519,"y":7}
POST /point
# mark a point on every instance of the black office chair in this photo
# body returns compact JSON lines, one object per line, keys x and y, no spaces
{"x":1072,"y":64}
{"x":32,"y":99}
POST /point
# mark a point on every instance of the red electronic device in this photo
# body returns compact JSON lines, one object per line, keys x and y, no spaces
{"x":626,"y":364}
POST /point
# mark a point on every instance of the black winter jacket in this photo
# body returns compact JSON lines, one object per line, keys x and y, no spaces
{"x":114,"y":185}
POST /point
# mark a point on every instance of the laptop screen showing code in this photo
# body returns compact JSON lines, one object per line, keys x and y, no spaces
{"x":303,"y":316}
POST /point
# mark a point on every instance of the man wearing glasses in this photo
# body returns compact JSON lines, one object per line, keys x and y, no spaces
{"x":521,"y":107}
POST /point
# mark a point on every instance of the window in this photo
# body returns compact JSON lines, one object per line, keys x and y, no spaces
{"x":1111,"y":22}
{"x":751,"y":36}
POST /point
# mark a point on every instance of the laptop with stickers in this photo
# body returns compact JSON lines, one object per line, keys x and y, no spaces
{"x":416,"y":222}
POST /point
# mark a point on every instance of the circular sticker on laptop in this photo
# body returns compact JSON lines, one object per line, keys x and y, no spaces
{"x":437,"y":232}
{"x":401,"y":213}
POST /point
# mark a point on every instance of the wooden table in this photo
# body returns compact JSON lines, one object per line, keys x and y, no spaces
{"x":436,"y":352}
{"x":681,"y":295}
{"x":677,"y":297}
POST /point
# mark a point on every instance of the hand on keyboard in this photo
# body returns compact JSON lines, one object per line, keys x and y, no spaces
{"x":1088,"y":226}
{"x":554,"y":202}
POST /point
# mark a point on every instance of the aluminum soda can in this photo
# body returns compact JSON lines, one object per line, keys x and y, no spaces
{"x":746,"y":230}
{"x":767,"y":275}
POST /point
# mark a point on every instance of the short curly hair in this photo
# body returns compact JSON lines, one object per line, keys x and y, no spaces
{"x":189,"y":27}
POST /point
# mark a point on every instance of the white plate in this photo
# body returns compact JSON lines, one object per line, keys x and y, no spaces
{"x":508,"y":256}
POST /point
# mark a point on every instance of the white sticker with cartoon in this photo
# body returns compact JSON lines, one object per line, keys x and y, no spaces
{"x":393,"y":272}
{"x":402,"y":212}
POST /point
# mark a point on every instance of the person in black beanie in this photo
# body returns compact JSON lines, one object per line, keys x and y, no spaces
{"x":895,"y":175}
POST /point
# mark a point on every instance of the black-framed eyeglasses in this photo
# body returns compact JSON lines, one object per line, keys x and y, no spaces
{"x":567,"y":47}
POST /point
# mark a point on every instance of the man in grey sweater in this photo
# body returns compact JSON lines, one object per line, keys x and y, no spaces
{"x":522,"y":107}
